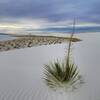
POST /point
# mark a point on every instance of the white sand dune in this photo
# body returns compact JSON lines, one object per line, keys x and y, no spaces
{"x":21,"y":71}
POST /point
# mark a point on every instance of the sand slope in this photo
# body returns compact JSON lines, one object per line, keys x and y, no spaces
{"x":21,"y":71}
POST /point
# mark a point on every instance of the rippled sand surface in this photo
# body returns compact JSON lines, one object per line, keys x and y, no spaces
{"x":21,"y":71}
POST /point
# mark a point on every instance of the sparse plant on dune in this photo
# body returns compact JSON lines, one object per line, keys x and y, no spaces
{"x":62,"y":74}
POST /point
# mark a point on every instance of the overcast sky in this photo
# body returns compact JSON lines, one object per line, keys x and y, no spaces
{"x":37,"y":13}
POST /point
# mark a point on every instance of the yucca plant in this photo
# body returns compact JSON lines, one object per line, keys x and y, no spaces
{"x":62,"y":74}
